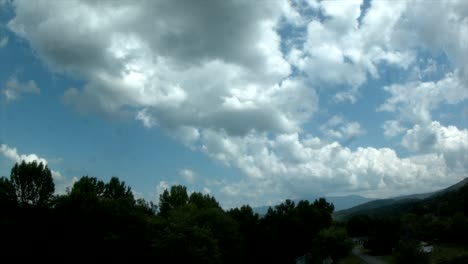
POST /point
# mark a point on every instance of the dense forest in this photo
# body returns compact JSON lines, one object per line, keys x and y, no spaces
{"x":400,"y":227}
{"x":95,"y":218}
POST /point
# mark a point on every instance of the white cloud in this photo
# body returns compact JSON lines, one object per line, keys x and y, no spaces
{"x":188,"y":175}
{"x":450,"y":142}
{"x":446,"y":20}
{"x":232,"y":75}
{"x":414,"y":101}
{"x":147,"y":120}
{"x":162,"y":186}
{"x":287,"y":166}
{"x":337,"y":128}
{"x":61,"y":182}
{"x":392,"y":128}
{"x":215,"y":77}
{"x":12,"y":154}
{"x":56,"y":175}
{"x":13,"y":88}
{"x":3,"y":42}
{"x":206,"y":190}
{"x":340,"y":51}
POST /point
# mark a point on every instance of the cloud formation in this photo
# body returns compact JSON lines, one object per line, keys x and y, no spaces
{"x":450,"y":142}
{"x":414,"y":101}
{"x":337,"y":128}
{"x":239,"y":80}
{"x":3,"y":42}
{"x":189,"y":176}
{"x":13,"y":88}
{"x":12,"y":154}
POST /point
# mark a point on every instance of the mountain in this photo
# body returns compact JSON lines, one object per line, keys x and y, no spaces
{"x":399,"y":205}
{"x":340,"y":202}
{"x":454,"y":187}
{"x":381,"y":207}
{"x":345,"y":202}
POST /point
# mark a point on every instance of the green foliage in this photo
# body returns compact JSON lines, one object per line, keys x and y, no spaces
{"x":86,"y":193}
{"x":8,"y":197}
{"x":146,"y":207}
{"x":116,"y":189}
{"x":173,"y":199}
{"x":245,"y":216}
{"x":291,"y":229}
{"x":203,"y":201}
{"x":409,"y":252}
{"x":33,"y":184}
{"x":186,"y":228}
{"x":333,"y":242}
{"x":384,"y":234}
{"x":250,"y":234}
{"x":358,"y":225}
{"x":179,"y":241}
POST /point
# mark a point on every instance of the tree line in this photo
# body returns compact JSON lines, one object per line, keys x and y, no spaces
{"x":399,"y":229}
{"x":96,"y":218}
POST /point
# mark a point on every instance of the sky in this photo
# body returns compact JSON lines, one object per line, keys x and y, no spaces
{"x":252,"y":102}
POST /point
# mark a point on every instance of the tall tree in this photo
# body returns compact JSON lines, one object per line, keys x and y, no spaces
{"x":203,"y":201}
{"x":86,"y":192}
{"x":172,"y":199}
{"x":7,"y":193}
{"x":33,"y":183}
{"x":116,"y":189}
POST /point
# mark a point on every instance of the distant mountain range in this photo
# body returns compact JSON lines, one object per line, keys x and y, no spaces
{"x":347,"y":206}
{"x":399,"y":205}
{"x":340,"y":202}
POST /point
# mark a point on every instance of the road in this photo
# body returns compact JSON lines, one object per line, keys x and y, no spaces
{"x":358,"y":252}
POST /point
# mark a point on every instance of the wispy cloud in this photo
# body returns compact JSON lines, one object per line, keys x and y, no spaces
{"x":13,"y":88}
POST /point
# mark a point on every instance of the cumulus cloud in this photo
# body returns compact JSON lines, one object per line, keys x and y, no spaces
{"x":193,"y":69}
{"x":414,"y":101}
{"x":222,"y":78}
{"x":451,"y":28}
{"x":337,"y":128}
{"x":339,"y":50}
{"x":450,"y":142}
{"x":346,"y":46}
{"x":393,"y":128}
{"x":188,"y":175}
{"x":289,"y":166}
{"x":295,"y":168}
{"x":12,"y":154}
{"x":13,"y":88}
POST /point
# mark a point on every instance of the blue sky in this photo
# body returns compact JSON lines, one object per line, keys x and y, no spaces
{"x":250,"y":101}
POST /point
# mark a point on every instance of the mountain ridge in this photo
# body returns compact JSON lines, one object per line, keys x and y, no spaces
{"x":340,"y":202}
{"x":396,"y":205}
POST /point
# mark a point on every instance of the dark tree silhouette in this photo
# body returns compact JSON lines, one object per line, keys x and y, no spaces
{"x":7,"y":194}
{"x":203,"y":201}
{"x":33,"y":184}
{"x":116,"y":189}
{"x":172,"y":199}
{"x":86,"y":192}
